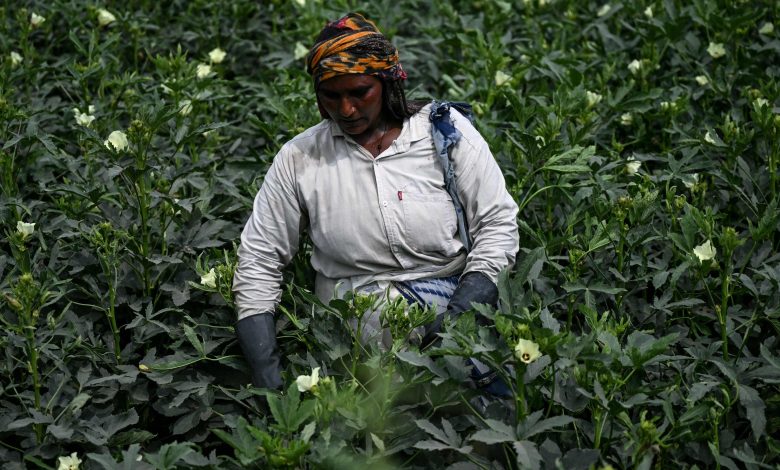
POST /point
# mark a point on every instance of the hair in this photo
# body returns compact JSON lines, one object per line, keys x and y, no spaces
{"x":393,"y":96}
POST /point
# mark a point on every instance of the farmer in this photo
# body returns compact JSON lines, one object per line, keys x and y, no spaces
{"x":367,"y":184}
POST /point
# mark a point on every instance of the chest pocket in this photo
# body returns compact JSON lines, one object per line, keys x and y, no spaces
{"x":430,"y":224}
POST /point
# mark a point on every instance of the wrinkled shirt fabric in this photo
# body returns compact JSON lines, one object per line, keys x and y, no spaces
{"x":370,"y":219}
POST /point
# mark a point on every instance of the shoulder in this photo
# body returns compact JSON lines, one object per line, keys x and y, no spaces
{"x":310,"y":138}
{"x":291,"y":156}
{"x":424,"y":113}
{"x":306,"y":145}
{"x":470,"y":136}
{"x":466,"y":128}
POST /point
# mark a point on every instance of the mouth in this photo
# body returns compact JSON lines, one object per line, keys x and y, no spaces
{"x":351,"y":127}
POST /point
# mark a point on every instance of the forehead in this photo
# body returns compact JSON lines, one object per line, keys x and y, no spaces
{"x":348,"y":82}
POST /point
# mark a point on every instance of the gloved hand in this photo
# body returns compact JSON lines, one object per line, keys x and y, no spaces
{"x":257,"y":337}
{"x":473,"y":287}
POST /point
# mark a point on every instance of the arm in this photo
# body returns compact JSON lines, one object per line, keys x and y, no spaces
{"x":268,"y":243}
{"x":491,"y":214}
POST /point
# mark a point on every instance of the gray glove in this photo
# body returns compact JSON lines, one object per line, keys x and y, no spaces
{"x":257,"y":337}
{"x":473,"y":287}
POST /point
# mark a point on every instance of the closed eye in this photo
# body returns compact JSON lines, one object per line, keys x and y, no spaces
{"x":359,"y":92}
{"x":354,"y":93}
{"x":331,"y":95}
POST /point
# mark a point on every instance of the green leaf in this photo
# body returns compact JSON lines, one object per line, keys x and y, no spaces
{"x":209,"y":127}
{"x":773,"y":360}
{"x":378,"y":442}
{"x":288,"y":411}
{"x":699,"y":389}
{"x":642,"y":348}
{"x":659,"y":279}
{"x":768,"y":223}
{"x":59,"y":432}
{"x":531,"y":264}
{"x":452,"y":435}
{"x":180,"y":132}
{"x":99,"y":431}
{"x":192,"y":337}
{"x":489,"y":436}
{"x":689,"y":230}
{"x":567,"y":168}
{"x":105,"y":460}
{"x":534,"y":369}
{"x":431,"y":429}
{"x":577,"y":287}
{"x":580,"y":459}
{"x":133,"y":436}
{"x":432,"y":445}
{"x":726,"y":369}
{"x":308,"y":431}
{"x":498,"y":432}
{"x":533,"y":426}
{"x":527,"y":454}
{"x":754,"y":409}
{"x":606,"y":289}
{"x":720,"y":458}
{"x":186,"y":422}
{"x":419,"y":360}
{"x":242,"y":441}
{"x":46,"y":141}
{"x":611,"y":342}
{"x":11,"y":142}
{"x":168,"y":366}
{"x":694,"y":415}
{"x":79,"y":401}
{"x":169,"y":455}
{"x":549,"y":322}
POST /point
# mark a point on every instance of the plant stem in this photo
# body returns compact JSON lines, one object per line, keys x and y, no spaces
{"x":724,"y":305}
{"x":716,"y":441}
{"x":598,"y":428}
{"x":32,"y":354}
{"x":570,"y":313}
{"x":143,"y":206}
{"x":520,"y":397}
{"x":773,"y":167}
{"x":552,"y":392}
{"x":112,"y":321}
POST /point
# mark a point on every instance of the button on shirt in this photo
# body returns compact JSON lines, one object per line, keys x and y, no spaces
{"x":374,"y":219}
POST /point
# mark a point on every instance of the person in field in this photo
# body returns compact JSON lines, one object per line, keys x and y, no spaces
{"x":368,"y":185}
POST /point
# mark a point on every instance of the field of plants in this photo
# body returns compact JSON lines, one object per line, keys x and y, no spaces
{"x":641,"y":141}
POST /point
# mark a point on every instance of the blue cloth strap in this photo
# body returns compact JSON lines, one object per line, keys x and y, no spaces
{"x":445,"y":136}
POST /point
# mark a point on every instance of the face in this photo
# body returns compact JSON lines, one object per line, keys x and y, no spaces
{"x":353,"y":101}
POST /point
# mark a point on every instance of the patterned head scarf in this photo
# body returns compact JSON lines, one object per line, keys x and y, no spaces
{"x":360,"y":48}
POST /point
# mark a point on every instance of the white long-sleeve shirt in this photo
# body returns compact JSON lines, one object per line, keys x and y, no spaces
{"x":373,"y":219}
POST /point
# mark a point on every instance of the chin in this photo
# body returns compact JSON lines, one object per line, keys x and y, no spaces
{"x":355,"y":130}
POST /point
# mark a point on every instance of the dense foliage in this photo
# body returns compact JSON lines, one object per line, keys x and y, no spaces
{"x":640,"y":139}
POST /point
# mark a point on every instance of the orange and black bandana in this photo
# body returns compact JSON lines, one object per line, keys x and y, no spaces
{"x":347,"y":52}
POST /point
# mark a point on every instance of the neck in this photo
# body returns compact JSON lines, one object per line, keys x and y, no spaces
{"x":380,"y":144}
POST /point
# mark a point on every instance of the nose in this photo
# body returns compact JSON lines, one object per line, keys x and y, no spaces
{"x":346,"y":107}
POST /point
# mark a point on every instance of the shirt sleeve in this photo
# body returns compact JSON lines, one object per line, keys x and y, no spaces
{"x":269,"y":240}
{"x":491,"y":213}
